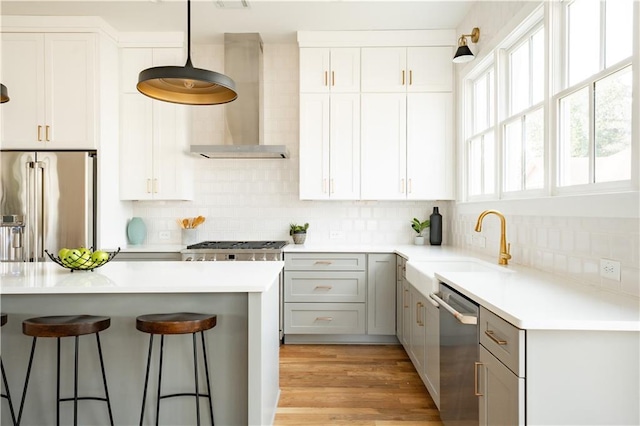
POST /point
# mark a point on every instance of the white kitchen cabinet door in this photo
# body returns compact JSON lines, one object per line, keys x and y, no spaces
{"x":384,"y":69}
{"x":344,"y":147}
{"x":502,"y":393}
{"x":51,"y":82}
{"x":324,"y":70}
{"x":430,"y":163}
{"x":329,"y":146}
{"x":314,"y":147}
{"x":383,"y":146}
{"x":154,"y":159}
{"x":430,"y":69}
{"x":381,"y":294}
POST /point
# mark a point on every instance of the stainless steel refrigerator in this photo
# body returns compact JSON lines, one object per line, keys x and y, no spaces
{"x":55,"y":192}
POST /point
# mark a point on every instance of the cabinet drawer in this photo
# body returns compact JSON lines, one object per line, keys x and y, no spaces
{"x":324,"y":262}
{"x":505,"y":341}
{"x":311,"y":286}
{"x":324,"y":318}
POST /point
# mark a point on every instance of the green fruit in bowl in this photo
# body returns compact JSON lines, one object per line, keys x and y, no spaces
{"x":63,"y":253}
{"x":99,"y":257}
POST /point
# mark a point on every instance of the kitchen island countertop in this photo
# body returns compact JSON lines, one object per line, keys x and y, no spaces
{"x":139,"y":277}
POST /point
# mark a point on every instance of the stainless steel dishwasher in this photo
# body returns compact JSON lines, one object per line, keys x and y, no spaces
{"x":458,"y":355}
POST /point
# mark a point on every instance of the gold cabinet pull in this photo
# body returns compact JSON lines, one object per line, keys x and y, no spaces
{"x":331,"y":187}
{"x":326,"y":78}
{"x":410,"y":77}
{"x":323,"y":262}
{"x":324,"y":318}
{"x":476,"y":392}
{"x":323,"y":287}
{"x":402,"y":186}
{"x":419,"y":306}
{"x":333,"y":78}
{"x":39,"y":133}
{"x":404,"y":298}
{"x":155,"y":186}
{"x":493,"y":337}
{"x":46,"y":133}
{"x":148,"y":186}
{"x":403,"y":77}
{"x":410,"y":189}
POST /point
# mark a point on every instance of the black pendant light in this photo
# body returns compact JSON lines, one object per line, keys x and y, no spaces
{"x":4,"y":94}
{"x":186,"y":85}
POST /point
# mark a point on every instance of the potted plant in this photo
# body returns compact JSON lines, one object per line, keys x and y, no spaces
{"x":298,"y":232}
{"x":419,"y":227}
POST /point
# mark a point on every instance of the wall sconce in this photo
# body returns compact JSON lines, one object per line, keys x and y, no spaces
{"x":464,"y":54}
{"x":4,"y":94}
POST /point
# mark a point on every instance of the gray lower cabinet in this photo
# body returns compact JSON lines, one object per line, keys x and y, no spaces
{"x":339,"y":297}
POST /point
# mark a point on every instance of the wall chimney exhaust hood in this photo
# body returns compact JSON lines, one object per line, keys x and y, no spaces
{"x":244,"y":116}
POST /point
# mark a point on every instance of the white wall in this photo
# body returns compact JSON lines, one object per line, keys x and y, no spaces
{"x":565,"y":236}
{"x":257,"y":199}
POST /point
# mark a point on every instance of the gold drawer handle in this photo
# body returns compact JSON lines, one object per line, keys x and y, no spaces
{"x":475,"y":379}
{"x":323,"y":287}
{"x":493,"y":337}
{"x":323,"y":262}
{"x":324,"y":318}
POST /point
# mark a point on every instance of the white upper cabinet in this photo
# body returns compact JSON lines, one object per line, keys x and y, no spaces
{"x":407,"y":69}
{"x":154,"y":159}
{"x":324,"y":70}
{"x":52,"y":85}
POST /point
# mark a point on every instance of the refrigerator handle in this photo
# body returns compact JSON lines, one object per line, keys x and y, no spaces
{"x":41,"y":196}
{"x":30,"y":224}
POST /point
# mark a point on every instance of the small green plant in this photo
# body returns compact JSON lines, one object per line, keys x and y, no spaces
{"x":418,"y":226}
{"x":298,"y":229}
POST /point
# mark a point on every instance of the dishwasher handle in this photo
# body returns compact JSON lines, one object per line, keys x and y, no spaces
{"x":463,"y":319}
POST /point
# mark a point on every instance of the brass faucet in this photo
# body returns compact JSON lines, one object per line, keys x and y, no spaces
{"x":503,"y":258}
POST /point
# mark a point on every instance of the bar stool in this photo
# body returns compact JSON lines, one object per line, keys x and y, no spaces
{"x":177,"y":323}
{"x":7,"y":396}
{"x":67,"y":326}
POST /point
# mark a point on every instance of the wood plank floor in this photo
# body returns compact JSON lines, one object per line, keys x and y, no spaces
{"x":351,"y":384}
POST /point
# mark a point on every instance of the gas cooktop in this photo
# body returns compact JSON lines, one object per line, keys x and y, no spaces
{"x":238,"y":245}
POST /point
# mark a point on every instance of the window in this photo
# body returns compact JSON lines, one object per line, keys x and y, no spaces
{"x":595,"y":109}
{"x":561,"y":87}
{"x":480,"y":147}
{"x":523,"y":128}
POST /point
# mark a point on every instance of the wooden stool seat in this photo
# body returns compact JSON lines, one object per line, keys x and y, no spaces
{"x":175,"y":323}
{"x":65,"y":325}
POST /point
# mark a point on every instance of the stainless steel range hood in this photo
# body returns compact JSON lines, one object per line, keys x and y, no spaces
{"x":244,"y":116}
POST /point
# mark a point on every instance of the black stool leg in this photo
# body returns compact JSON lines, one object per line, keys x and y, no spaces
{"x":8,"y":395}
{"x":58,"y":383}
{"x":159,"y":379}
{"x":206,"y":370}
{"x":104,"y":379}
{"x":146,"y":378}
{"x":195,"y":371}
{"x":75,"y":386}
{"x":26,"y":381}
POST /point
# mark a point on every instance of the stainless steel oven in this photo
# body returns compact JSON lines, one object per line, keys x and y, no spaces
{"x":242,"y":251}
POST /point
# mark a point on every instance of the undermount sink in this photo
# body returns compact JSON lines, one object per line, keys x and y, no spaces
{"x":421,"y":272}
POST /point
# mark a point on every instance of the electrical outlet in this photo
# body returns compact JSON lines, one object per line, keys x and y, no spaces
{"x":336,"y":235}
{"x":164,"y":235}
{"x":610,"y":269}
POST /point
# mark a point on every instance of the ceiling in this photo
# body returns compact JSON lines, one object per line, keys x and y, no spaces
{"x":274,"y":20}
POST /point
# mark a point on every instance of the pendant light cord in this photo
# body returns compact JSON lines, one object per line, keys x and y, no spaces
{"x":189,"y":64}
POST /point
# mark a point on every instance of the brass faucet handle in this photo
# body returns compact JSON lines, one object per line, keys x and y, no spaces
{"x":507,"y":253}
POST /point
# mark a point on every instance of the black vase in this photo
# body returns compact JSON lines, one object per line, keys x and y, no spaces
{"x":435,"y":233}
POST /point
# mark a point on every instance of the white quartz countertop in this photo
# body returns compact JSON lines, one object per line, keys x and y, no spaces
{"x":139,"y":277}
